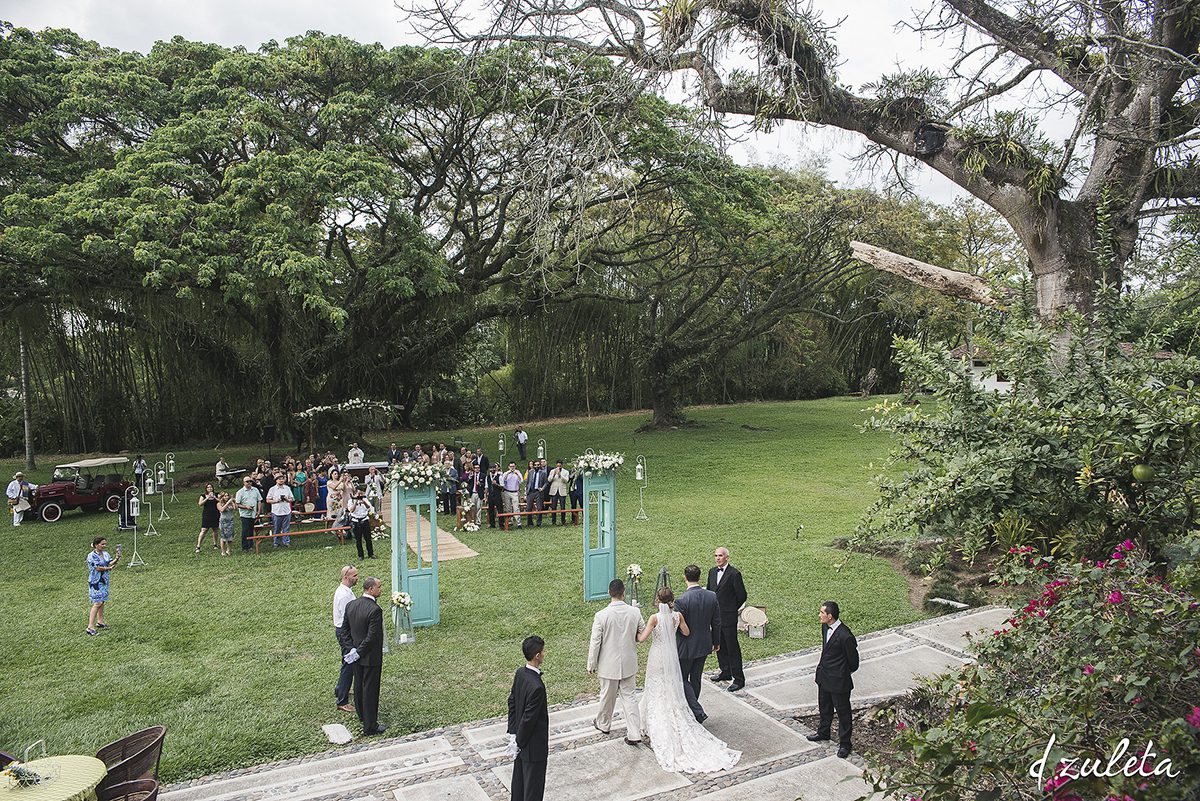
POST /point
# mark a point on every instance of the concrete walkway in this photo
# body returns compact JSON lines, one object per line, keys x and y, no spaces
{"x":466,"y":762}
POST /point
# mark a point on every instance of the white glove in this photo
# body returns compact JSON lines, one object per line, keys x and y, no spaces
{"x":511,"y":750}
{"x":351,"y":657}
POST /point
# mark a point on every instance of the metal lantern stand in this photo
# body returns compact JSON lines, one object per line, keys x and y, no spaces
{"x":171,"y":473}
{"x":541,"y":451}
{"x":132,"y":503}
{"x":126,"y":519}
{"x":160,"y":472}
{"x":500,"y":445}
{"x":150,"y":530}
{"x":639,"y":473}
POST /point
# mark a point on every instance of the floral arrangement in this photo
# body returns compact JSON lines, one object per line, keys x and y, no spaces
{"x":352,"y":405}
{"x":634,"y":572}
{"x":21,"y":776}
{"x":597,"y":462}
{"x":412,"y":475}
{"x":402,"y":600}
{"x":471,"y":526}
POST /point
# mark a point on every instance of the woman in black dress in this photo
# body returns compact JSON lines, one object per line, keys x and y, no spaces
{"x":210,"y":516}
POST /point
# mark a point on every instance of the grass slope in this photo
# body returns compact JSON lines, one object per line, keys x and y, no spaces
{"x":237,"y":655}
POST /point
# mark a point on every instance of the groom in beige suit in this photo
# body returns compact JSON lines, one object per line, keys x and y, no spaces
{"x":613,"y":655}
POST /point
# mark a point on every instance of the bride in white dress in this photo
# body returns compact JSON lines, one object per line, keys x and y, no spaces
{"x":679,"y":742}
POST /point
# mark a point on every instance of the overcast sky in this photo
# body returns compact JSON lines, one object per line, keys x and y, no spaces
{"x":869,"y":42}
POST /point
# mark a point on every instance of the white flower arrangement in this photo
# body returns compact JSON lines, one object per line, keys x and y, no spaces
{"x":598,"y":462}
{"x":634,"y":572}
{"x":402,"y":600}
{"x":414,"y":475}
{"x":352,"y":405}
{"x":470,"y":526}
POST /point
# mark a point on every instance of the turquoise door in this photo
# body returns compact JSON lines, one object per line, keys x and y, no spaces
{"x":599,"y":533}
{"x":412,"y":573}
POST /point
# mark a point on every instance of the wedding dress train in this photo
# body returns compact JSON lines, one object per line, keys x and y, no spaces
{"x":680,"y":743}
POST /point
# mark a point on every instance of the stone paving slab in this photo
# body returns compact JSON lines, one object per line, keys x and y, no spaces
{"x":877,"y":678}
{"x":612,"y":771}
{"x":456,"y":788}
{"x":953,"y":633}
{"x":566,"y":725}
{"x":332,"y":775}
{"x":756,"y":734}
{"x":829,"y":779}
{"x":808,"y":662}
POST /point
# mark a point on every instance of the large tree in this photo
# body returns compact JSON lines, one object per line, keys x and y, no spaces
{"x":1126,"y":71}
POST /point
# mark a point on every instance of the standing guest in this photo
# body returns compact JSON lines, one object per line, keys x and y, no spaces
{"x":310,"y":489}
{"x":280,"y":498}
{"x":726,"y":581}
{"x":839,"y":658}
{"x":210,"y":516}
{"x":522,"y":438}
{"x":297,"y":479}
{"x":139,"y":472}
{"x":247,"y":499}
{"x":100,"y":564}
{"x":560,"y":480}
{"x":416,"y":452}
{"x":495,"y":495}
{"x":450,"y":488}
{"x":364,"y":619}
{"x":510,"y":483}
{"x":456,"y":459}
{"x":266,"y":481}
{"x":576,"y":494}
{"x":394,"y":454}
{"x":529,"y":724}
{"x":342,"y":597}
{"x":374,"y":484}
{"x":360,"y":523}
{"x":18,"y":492}
{"x":535,"y":490}
{"x":355,"y":454}
{"x":226,"y":506}
{"x":485,"y":464}
{"x":322,"y":491}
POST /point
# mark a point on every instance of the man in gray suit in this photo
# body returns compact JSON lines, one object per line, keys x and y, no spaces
{"x":703,"y":615}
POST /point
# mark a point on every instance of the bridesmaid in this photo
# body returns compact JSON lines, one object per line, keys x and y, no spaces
{"x":322,"y":491}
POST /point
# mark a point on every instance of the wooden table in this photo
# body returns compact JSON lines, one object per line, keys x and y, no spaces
{"x":72,"y":778}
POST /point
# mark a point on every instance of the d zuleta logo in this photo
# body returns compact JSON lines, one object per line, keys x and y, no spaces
{"x":1142,"y":764}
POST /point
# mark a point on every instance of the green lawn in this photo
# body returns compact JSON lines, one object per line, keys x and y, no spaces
{"x":237,"y":655}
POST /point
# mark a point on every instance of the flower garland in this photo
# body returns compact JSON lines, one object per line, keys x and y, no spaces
{"x":352,"y":405}
{"x":598,"y":462}
{"x":412,"y":475}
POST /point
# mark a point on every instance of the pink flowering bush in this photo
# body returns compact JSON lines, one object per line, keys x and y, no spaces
{"x":1104,"y":652}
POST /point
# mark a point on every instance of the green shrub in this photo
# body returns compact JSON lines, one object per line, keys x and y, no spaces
{"x":1106,"y":652}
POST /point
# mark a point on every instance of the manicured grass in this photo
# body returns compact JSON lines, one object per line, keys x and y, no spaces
{"x":237,"y":655}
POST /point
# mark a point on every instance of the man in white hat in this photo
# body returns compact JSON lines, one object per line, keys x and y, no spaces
{"x":18,"y":494}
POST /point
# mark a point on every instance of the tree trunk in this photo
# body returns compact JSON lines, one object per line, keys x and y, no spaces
{"x":664,"y":394}
{"x":25,"y":400}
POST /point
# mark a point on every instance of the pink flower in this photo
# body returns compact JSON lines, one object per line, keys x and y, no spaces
{"x":901,"y":726}
{"x":972,"y":747}
{"x":1101,"y":563}
{"x":1136,"y":701}
{"x":1127,"y":545}
{"x":1193,"y":718}
{"x":1088,"y":670}
{"x":1115,"y":597}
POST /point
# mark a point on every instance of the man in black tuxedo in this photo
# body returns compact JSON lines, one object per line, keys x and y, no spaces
{"x":839,"y":658}
{"x":703,"y":612}
{"x":726,"y":581}
{"x":364,"y":622}
{"x":394,"y":454}
{"x":529,"y":724}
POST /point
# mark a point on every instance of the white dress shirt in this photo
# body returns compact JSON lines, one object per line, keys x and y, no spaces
{"x":829,"y":631}
{"x":341,"y":596}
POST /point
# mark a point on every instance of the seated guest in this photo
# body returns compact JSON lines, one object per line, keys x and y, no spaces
{"x":222,"y":466}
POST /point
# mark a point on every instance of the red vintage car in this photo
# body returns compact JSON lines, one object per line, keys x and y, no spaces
{"x":89,"y":484}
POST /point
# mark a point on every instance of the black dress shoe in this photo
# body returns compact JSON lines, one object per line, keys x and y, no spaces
{"x":816,"y":738}
{"x":596,"y":726}
{"x":719,"y":677}
{"x":632,"y":742}
{"x":380,"y":729}
{"x":843,"y":752}
{"x":733,"y":688}
{"x":702,"y":718}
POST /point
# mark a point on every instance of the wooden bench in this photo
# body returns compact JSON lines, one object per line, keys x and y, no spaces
{"x":505,"y":517}
{"x":340,"y":531}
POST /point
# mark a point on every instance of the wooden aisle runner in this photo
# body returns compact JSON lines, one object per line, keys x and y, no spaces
{"x":449,"y":546}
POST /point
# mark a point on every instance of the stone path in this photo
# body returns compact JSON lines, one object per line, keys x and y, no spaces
{"x":449,"y":546}
{"x":466,"y":762}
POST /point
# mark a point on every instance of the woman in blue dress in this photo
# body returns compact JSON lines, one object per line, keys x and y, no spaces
{"x":322,"y":490}
{"x":99,"y":564}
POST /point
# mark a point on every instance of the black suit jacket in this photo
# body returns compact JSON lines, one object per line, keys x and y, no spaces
{"x":485,"y":464}
{"x":702,"y":612}
{"x":394,"y":455}
{"x":528,"y":716}
{"x":731,"y":593}
{"x":364,"y":620}
{"x":839,"y":658}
